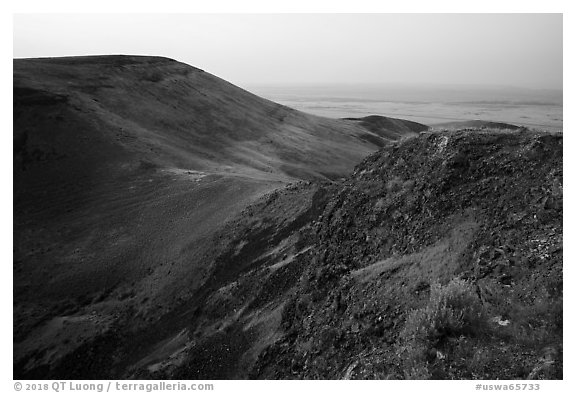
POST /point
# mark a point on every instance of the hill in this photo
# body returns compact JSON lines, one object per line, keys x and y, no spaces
{"x":455,"y":125}
{"x":178,"y":116}
{"x":440,"y":257}
{"x":170,"y":225}
{"x":126,"y":170}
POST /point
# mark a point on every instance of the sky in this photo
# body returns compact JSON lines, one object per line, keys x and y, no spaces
{"x":522,"y":50}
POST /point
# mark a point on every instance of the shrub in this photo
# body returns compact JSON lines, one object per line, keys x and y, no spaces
{"x":453,"y":310}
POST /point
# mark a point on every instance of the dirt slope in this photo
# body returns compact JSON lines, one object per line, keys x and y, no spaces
{"x":126,"y":169}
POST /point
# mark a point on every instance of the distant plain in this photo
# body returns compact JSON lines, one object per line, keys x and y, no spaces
{"x":428,"y":104}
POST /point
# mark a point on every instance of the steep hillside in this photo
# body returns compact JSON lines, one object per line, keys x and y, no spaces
{"x":126,"y":168}
{"x":440,"y":257}
{"x":176,"y":116}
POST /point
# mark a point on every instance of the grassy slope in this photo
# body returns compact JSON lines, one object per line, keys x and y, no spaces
{"x":177,"y":115}
{"x":125,"y":170}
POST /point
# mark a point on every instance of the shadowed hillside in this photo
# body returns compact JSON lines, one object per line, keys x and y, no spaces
{"x":126,"y":172}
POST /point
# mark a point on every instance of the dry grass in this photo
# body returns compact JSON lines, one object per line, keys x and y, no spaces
{"x":453,"y":310}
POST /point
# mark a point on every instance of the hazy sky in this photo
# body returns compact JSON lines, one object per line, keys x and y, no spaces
{"x":522,"y":50}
